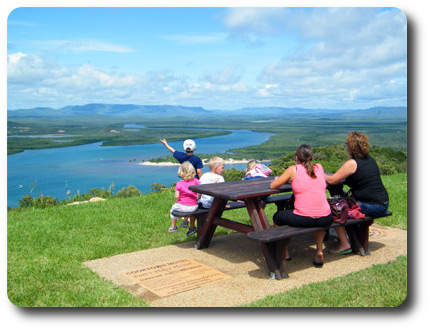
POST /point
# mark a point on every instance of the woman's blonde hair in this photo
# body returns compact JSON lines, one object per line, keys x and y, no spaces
{"x":186,"y":171}
{"x":251,"y":164}
{"x":358,"y":144}
{"x":215,"y":162}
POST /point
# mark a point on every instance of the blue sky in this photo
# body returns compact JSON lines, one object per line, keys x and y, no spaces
{"x":217,"y":58}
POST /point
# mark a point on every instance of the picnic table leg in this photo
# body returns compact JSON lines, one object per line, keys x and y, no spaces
{"x":364,"y":235}
{"x":269,"y":252}
{"x":256,"y":213}
{"x":201,"y":219}
{"x":353,"y":232}
{"x":281,"y":249}
{"x":274,"y":254}
{"x":204,"y":236}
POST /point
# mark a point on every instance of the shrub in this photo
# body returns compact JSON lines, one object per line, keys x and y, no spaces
{"x":157,"y":187}
{"x":45,"y":201}
{"x":233,"y":174}
{"x":27,"y":201}
{"x":130,"y":191}
{"x":102,"y":193}
{"x":38,"y":202}
{"x":390,"y":161}
{"x":77,"y":198}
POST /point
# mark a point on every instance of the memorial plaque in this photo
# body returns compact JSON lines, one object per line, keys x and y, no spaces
{"x":175,"y":276}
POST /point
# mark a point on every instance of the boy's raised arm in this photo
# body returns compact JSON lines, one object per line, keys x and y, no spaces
{"x":163,"y":141}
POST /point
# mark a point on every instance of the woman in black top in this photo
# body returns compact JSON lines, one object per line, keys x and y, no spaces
{"x":361,"y":173}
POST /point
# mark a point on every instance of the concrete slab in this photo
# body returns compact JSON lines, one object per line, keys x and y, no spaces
{"x":241,"y":259}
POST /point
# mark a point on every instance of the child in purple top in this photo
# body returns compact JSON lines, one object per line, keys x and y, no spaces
{"x":255,"y":169}
{"x":186,"y":200}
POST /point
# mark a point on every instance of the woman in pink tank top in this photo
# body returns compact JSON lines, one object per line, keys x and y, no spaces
{"x":311,"y":208}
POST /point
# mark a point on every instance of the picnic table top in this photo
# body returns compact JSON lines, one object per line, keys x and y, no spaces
{"x":242,"y":189}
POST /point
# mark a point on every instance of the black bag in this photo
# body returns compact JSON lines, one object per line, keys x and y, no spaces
{"x":287,"y":204}
{"x":339,"y":209}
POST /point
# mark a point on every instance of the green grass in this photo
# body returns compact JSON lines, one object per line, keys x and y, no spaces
{"x":46,"y":248}
{"x":397,"y":190}
{"x":378,"y":286}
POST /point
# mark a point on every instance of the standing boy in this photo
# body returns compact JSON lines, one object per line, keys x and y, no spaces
{"x":187,"y":156}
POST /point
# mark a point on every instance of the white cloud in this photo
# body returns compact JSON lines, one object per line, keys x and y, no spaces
{"x":255,"y":20}
{"x":225,"y":76}
{"x":341,"y":57}
{"x":37,"y":80}
{"x":27,"y":69}
{"x":351,"y":51}
{"x":80,"y":46}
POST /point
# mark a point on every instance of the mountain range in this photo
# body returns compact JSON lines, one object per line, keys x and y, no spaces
{"x":171,"y":111}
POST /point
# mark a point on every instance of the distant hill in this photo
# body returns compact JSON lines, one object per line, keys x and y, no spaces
{"x":118,"y":110}
{"x":392,"y":112}
{"x":172,"y":111}
{"x":383,"y":112}
{"x":30,"y":113}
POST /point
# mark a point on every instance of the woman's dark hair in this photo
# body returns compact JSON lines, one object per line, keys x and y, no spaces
{"x":305,"y":155}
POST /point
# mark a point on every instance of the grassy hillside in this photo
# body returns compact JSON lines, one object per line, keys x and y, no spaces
{"x":47,"y":246}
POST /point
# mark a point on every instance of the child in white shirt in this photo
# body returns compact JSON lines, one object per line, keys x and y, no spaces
{"x":216,"y":167}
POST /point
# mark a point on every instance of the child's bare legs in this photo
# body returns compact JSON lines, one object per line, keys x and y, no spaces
{"x":287,"y":254}
{"x":192,"y":221}
{"x":173,"y":227}
{"x":184,"y":223}
{"x":193,"y":228}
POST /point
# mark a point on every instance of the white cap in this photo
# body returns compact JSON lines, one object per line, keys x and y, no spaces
{"x":189,"y":145}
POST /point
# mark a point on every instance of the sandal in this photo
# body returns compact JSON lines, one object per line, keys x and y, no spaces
{"x":318,"y":263}
{"x":173,"y":229}
{"x":192,"y":231}
{"x":338,"y":251}
{"x":184,"y":224}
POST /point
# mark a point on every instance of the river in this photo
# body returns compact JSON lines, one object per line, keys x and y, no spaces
{"x":52,"y":172}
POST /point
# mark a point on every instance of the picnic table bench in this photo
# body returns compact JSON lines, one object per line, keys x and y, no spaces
{"x":277,"y":239}
{"x":281,"y":198}
{"x":201,"y":215}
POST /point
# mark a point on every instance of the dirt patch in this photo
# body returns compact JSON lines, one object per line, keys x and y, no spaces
{"x":241,"y":259}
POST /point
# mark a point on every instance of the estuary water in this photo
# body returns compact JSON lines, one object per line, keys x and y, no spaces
{"x":51,"y":172}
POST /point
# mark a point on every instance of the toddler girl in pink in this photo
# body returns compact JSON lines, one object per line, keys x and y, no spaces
{"x":186,"y":200}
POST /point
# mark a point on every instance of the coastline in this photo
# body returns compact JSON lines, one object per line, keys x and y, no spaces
{"x":205,"y":162}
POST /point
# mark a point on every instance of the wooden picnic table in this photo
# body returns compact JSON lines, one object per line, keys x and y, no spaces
{"x":272,"y":240}
{"x":248,"y":191}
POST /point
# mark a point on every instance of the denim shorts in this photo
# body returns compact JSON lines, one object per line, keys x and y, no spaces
{"x":373,"y":210}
